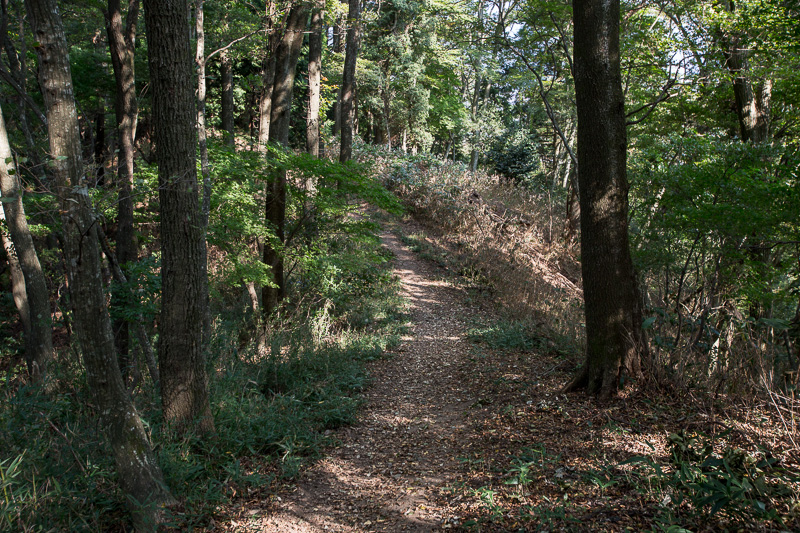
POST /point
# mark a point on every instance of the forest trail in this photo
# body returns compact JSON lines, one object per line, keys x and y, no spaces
{"x":393,"y":467}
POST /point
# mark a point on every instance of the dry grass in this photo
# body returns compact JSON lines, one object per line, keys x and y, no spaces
{"x":501,"y":234}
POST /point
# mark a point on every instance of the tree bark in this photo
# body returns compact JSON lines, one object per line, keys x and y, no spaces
{"x":33,"y":302}
{"x":752,"y":100}
{"x":138,"y":472}
{"x":338,"y":48}
{"x":205,"y":169}
{"x":122,"y":46}
{"x":349,"y":79}
{"x":268,"y":79}
{"x":227,"y":99}
{"x":17,"y":63}
{"x":614,"y":340}
{"x":184,"y":387}
{"x":286,"y":56}
{"x":18,"y":291}
{"x":314,"y":75}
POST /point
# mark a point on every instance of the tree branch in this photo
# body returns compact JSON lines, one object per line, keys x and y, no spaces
{"x":14,"y":85}
{"x":239,"y":39}
{"x":651,"y":106}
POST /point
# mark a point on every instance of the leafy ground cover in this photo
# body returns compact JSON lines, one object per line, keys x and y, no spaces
{"x":464,"y":428}
{"x":274,"y":409}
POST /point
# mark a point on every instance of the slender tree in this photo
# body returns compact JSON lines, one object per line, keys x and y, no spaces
{"x":122,"y":45}
{"x":205,"y":168}
{"x":138,"y":472}
{"x":349,"y":78}
{"x":33,"y":301}
{"x":226,"y":69}
{"x":268,"y":76}
{"x":184,"y":387}
{"x":286,"y":56}
{"x":614,"y":340}
{"x":314,"y":74}
{"x":337,"y":48}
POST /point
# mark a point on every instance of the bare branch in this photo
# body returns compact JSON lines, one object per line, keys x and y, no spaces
{"x":14,"y":85}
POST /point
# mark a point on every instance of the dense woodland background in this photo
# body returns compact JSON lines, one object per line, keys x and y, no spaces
{"x":192,"y":279}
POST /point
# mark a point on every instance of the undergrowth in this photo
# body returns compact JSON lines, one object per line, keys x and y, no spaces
{"x":474,"y":227}
{"x":275,"y":398}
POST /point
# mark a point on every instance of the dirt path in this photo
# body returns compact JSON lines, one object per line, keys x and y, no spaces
{"x":393,"y":466}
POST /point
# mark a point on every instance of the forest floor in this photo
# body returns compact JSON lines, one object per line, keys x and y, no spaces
{"x":456,"y":434}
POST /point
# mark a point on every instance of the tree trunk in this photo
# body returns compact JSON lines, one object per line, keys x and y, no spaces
{"x":227,"y":99}
{"x":37,"y":324}
{"x":387,"y":134}
{"x":33,"y":301}
{"x":268,"y":79}
{"x":205,"y":170}
{"x":184,"y":387}
{"x":100,"y":145}
{"x":18,"y":291}
{"x":122,"y":45}
{"x":314,"y":69}
{"x":138,"y":472}
{"x":752,"y":101}
{"x":614,"y":340}
{"x":349,"y":79}
{"x":286,"y":56}
{"x":338,"y":48}
{"x":17,"y":65}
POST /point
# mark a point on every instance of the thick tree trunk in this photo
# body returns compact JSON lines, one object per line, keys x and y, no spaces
{"x":286,"y":56}
{"x":314,"y":70}
{"x":614,"y":340}
{"x":138,"y":472}
{"x":227,"y":99}
{"x":33,"y":302}
{"x":752,"y":100}
{"x":349,"y":79}
{"x":184,"y":387}
{"x":122,"y":45}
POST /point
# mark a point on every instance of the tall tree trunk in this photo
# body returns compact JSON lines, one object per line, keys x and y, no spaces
{"x":227,"y":99}
{"x":349,"y":79}
{"x":752,"y":100}
{"x":122,"y":45}
{"x":338,"y":48}
{"x":138,"y":472}
{"x":286,"y":57}
{"x":184,"y":387}
{"x":35,"y":307}
{"x":205,"y":170}
{"x":314,"y":70}
{"x":614,"y":340}
{"x":268,"y":78}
